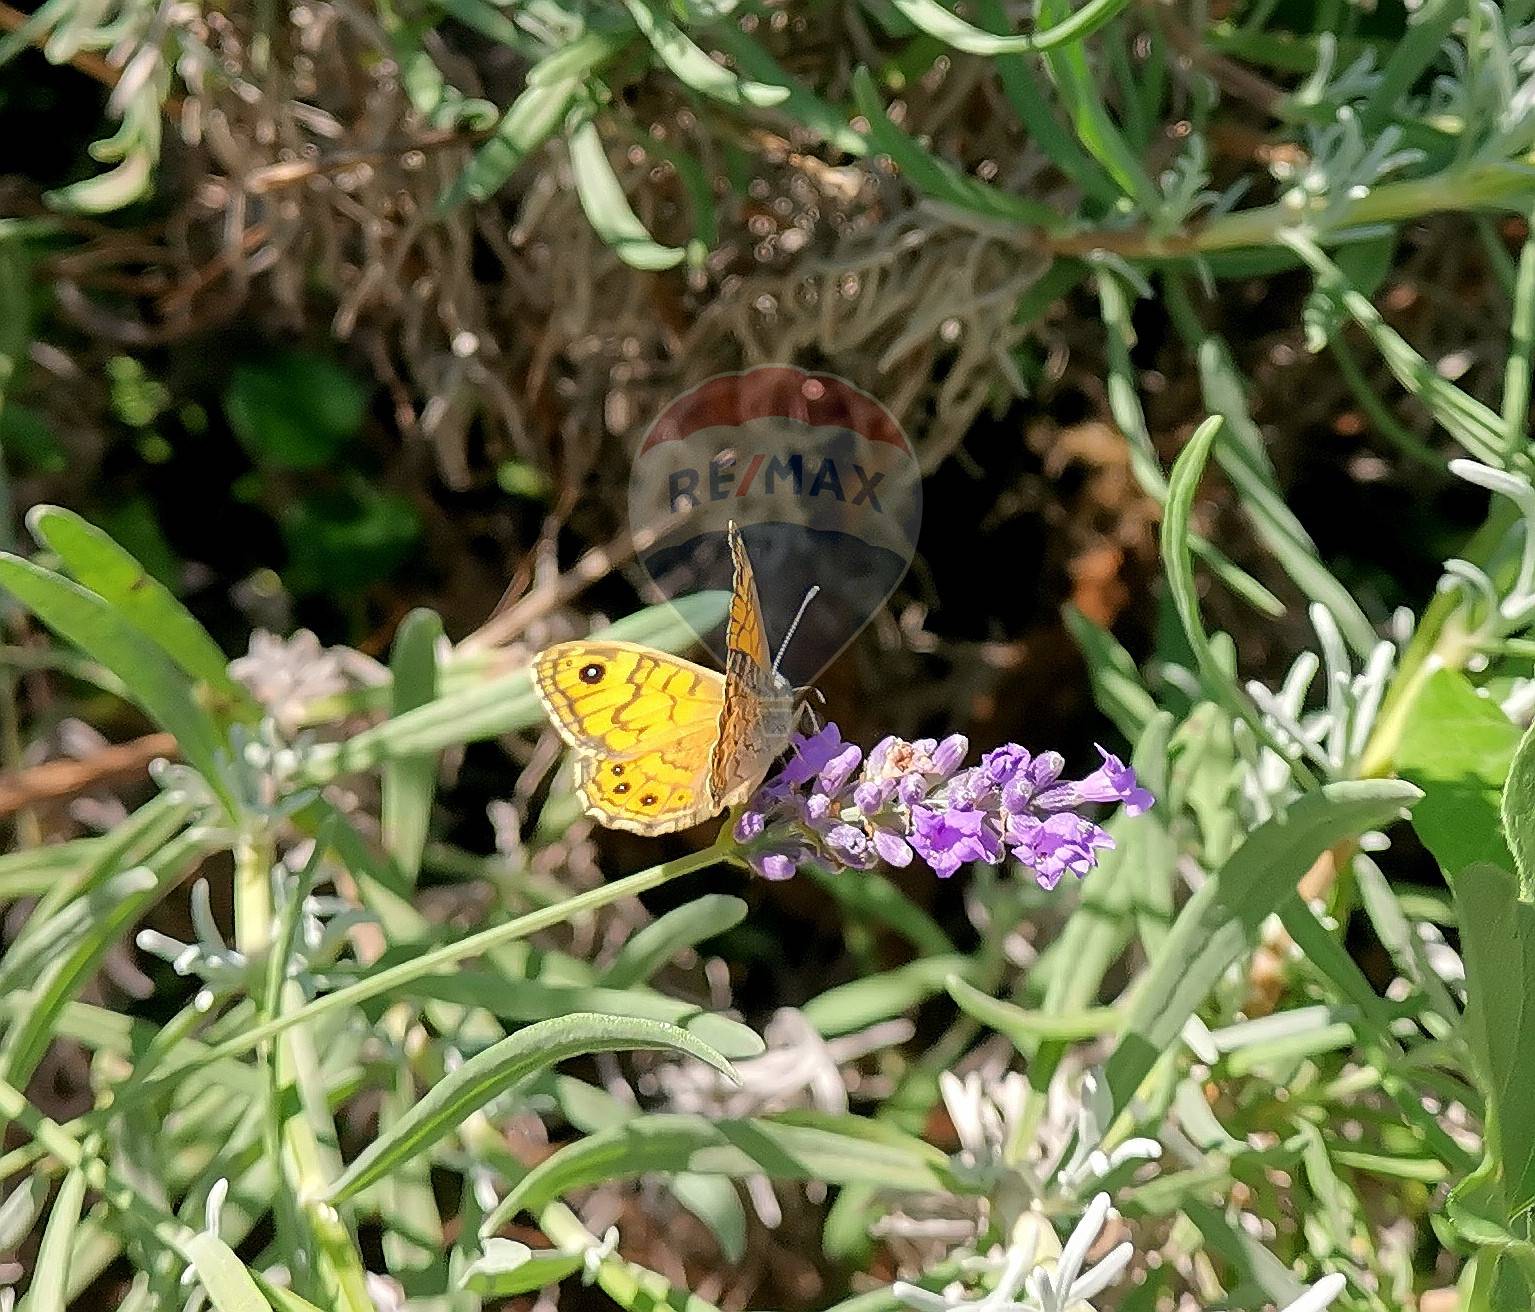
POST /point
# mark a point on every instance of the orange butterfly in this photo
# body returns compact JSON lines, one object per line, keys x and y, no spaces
{"x":662,"y":743}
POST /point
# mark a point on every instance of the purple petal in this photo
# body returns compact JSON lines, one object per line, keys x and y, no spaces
{"x":835,"y":774}
{"x":892,"y":848}
{"x":873,"y":795}
{"x":774,"y":865}
{"x":948,"y":755}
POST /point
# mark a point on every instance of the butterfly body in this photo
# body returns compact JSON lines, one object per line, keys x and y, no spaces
{"x":660,"y":742}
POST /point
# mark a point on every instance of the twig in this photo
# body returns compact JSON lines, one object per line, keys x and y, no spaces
{"x":53,"y":780}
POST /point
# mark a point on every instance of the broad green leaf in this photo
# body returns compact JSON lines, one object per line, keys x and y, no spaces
{"x":410,"y":782}
{"x":1518,"y":810}
{"x":47,"y":1293}
{"x":507,"y":1267}
{"x":607,"y":208}
{"x":661,"y":940}
{"x":498,"y":1068}
{"x":1222,"y":920}
{"x":1457,"y":746}
{"x":100,"y":564}
{"x":229,"y":1285}
{"x":1497,"y":935}
{"x":295,"y":409}
{"x":781,"y":1149}
{"x":92,"y":624}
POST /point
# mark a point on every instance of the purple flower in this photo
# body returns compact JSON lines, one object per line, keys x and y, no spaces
{"x":912,"y":799}
{"x":1058,"y":843}
{"x":954,"y":837}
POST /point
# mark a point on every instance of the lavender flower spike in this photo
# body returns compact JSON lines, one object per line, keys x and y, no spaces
{"x":912,"y":799}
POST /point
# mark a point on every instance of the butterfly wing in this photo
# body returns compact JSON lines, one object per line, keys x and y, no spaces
{"x":758,"y":706}
{"x":655,"y":792}
{"x":643,"y":725}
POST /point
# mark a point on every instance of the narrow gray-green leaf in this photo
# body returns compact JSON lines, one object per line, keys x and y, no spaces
{"x":229,"y":1285}
{"x":1179,"y":564}
{"x":607,"y":208}
{"x":533,"y":118}
{"x":506,"y":1268}
{"x":495,"y":1070}
{"x":1519,"y":813}
{"x":692,"y":64}
{"x":1221,"y":921}
{"x":410,"y":781}
{"x":47,"y":1293}
{"x":783,"y":1149}
{"x":662,"y":939}
{"x":932,"y":18}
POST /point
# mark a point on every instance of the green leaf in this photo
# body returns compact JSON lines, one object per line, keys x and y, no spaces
{"x":932,"y":18}
{"x":1117,"y":687}
{"x":1518,"y":810}
{"x":100,"y":564}
{"x":863,"y":1002}
{"x":714,"y":1201}
{"x":105,"y":635}
{"x":526,"y":1000}
{"x":1026,"y":1028}
{"x":498,"y":1068}
{"x":533,"y":118}
{"x":683,"y":927}
{"x":1179,"y":564}
{"x":47,"y":1293}
{"x":1222,"y":920}
{"x":1457,"y":746}
{"x":294,"y":409}
{"x":692,"y":64}
{"x":936,"y":177}
{"x":835,"y":1150}
{"x":607,"y":208}
{"x":409,"y":782}
{"x":229,"y":1285}
{"x":507,"y":1268}
{"x":1497,"y":936}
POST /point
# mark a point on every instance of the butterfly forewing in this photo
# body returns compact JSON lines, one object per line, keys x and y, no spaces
{"x":759,"y":706}
{"x":619,"y":697}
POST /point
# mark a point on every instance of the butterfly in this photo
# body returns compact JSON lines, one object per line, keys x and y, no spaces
{"x":662,"y":743}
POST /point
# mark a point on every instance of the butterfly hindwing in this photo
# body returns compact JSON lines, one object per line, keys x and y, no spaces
{"x":654,"y":792}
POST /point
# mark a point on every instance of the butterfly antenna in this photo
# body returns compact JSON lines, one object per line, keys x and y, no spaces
{"x":798,"y":616}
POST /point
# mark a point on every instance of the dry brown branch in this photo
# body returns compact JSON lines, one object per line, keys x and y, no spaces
{"x":54,"y":781}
